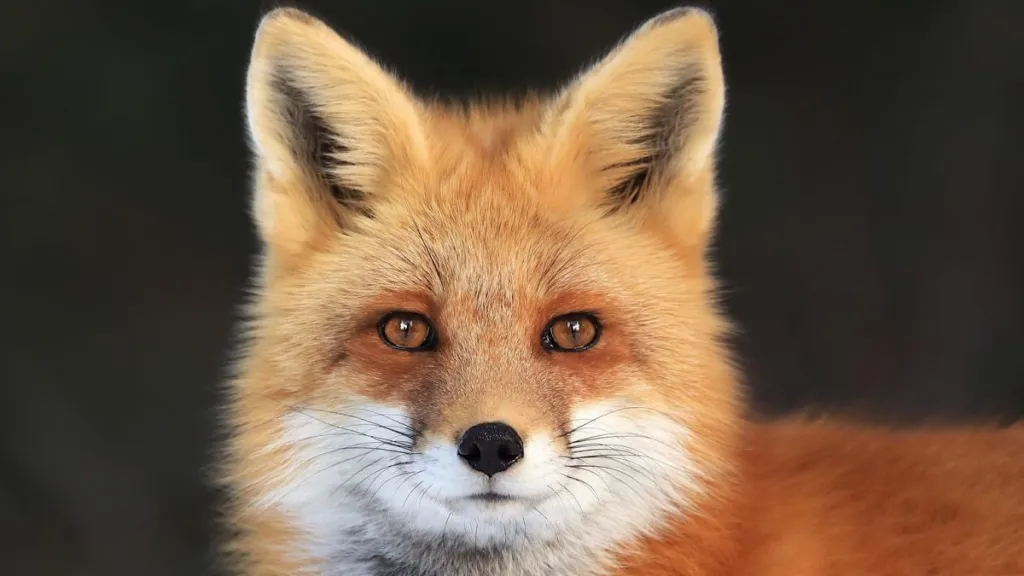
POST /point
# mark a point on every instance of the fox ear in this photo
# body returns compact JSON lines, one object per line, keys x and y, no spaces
{"x":327,"y":125}
{"x":645,"y":120}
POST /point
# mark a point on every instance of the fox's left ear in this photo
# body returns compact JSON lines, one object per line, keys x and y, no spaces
{"x":644,"y":122}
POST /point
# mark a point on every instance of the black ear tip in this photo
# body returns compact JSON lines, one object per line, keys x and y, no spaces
{"x":279,"y":9}
{"x":689,"y":10}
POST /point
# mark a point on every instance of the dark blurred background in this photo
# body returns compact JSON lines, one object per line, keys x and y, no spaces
{"x":871,"y":239}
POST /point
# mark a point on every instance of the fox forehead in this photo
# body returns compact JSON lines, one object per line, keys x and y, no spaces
{"x":482,"y":226}
{"x":489,"y":173}
{"x":484,"y":259}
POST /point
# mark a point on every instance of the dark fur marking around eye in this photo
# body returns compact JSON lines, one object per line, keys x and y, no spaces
{"x":316,"y":144}
{"x":668,"y":125}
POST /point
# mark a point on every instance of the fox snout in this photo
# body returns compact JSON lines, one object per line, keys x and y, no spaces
{"x":491,"y":447}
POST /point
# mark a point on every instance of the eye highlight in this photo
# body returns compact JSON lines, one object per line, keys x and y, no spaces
{"x":407,"y":331}
{"x":571,"y":333}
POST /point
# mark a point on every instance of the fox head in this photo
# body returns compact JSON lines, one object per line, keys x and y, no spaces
{"x":488,"y":330}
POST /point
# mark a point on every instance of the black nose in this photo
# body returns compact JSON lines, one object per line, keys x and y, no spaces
{"x":491,"y":448}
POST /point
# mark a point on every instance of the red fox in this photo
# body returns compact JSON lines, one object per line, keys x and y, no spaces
{"x":486,"y":340}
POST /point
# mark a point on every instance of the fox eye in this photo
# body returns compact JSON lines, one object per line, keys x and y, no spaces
{"x":407,"y":331}
{"x":571,"y":333}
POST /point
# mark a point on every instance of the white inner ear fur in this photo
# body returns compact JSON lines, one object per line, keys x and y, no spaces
{"x":649,"y":114}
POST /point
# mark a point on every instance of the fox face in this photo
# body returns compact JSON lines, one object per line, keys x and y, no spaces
{"x":484,"y":339}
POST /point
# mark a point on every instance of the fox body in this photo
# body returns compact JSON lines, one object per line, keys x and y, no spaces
{"x":486,"y":340}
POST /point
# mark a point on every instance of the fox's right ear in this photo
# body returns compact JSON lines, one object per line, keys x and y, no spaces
{"x":328,"y":127}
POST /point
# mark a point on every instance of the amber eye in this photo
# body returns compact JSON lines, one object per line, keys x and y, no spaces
{"x":407,"y":331}
{"x":571,"y":333}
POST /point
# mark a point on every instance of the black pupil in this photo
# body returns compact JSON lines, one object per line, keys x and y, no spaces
{"x":405,"y":325}
{"x":575,"y":327}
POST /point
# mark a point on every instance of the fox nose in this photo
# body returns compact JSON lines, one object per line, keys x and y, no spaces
{"x":491,"y":447}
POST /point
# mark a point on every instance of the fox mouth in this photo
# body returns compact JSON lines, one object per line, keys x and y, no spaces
{"x":498,"y":499}
{"x":492,"y":497}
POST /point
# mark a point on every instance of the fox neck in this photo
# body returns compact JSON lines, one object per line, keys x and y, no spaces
{"x":372,"y":546}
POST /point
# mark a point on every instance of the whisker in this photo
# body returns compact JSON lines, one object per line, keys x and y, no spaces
{"x":387,"y":441}
{"x":393,"y":477}
{"x":625,"y":435}
{"x":584,"y":482}
{"x":407,"y":478}
{"x":367,"y":449}
{"x":537,"y":510}
{"x":354,"y":474}
{"x":321,"y":470}
{"x":444,"y":529}
{"x":626,"y":452}
{"x":609,"y":436}
{"x":621,"y":449}
{"x":620,"y":409}
{"x":411,"y":429}
{"x":422,"y":496}
{"x":629,"y":465}
{"x":610,"y":469}
{"x":412,"y":490}
{"x":298,"y":410}
{"x":410,"y":435}
{"x":369,"y":480}
{"x":301,"y":410}
{"x":267,"y":422}
{"x":337,"y":432}
{"x":569,"y":492}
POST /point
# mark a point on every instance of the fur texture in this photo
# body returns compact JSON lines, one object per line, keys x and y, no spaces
{"x":491,"y":221}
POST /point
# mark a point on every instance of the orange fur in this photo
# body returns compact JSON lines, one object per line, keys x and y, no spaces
{"x":841,"y":499}
{"x":492,"y":220}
